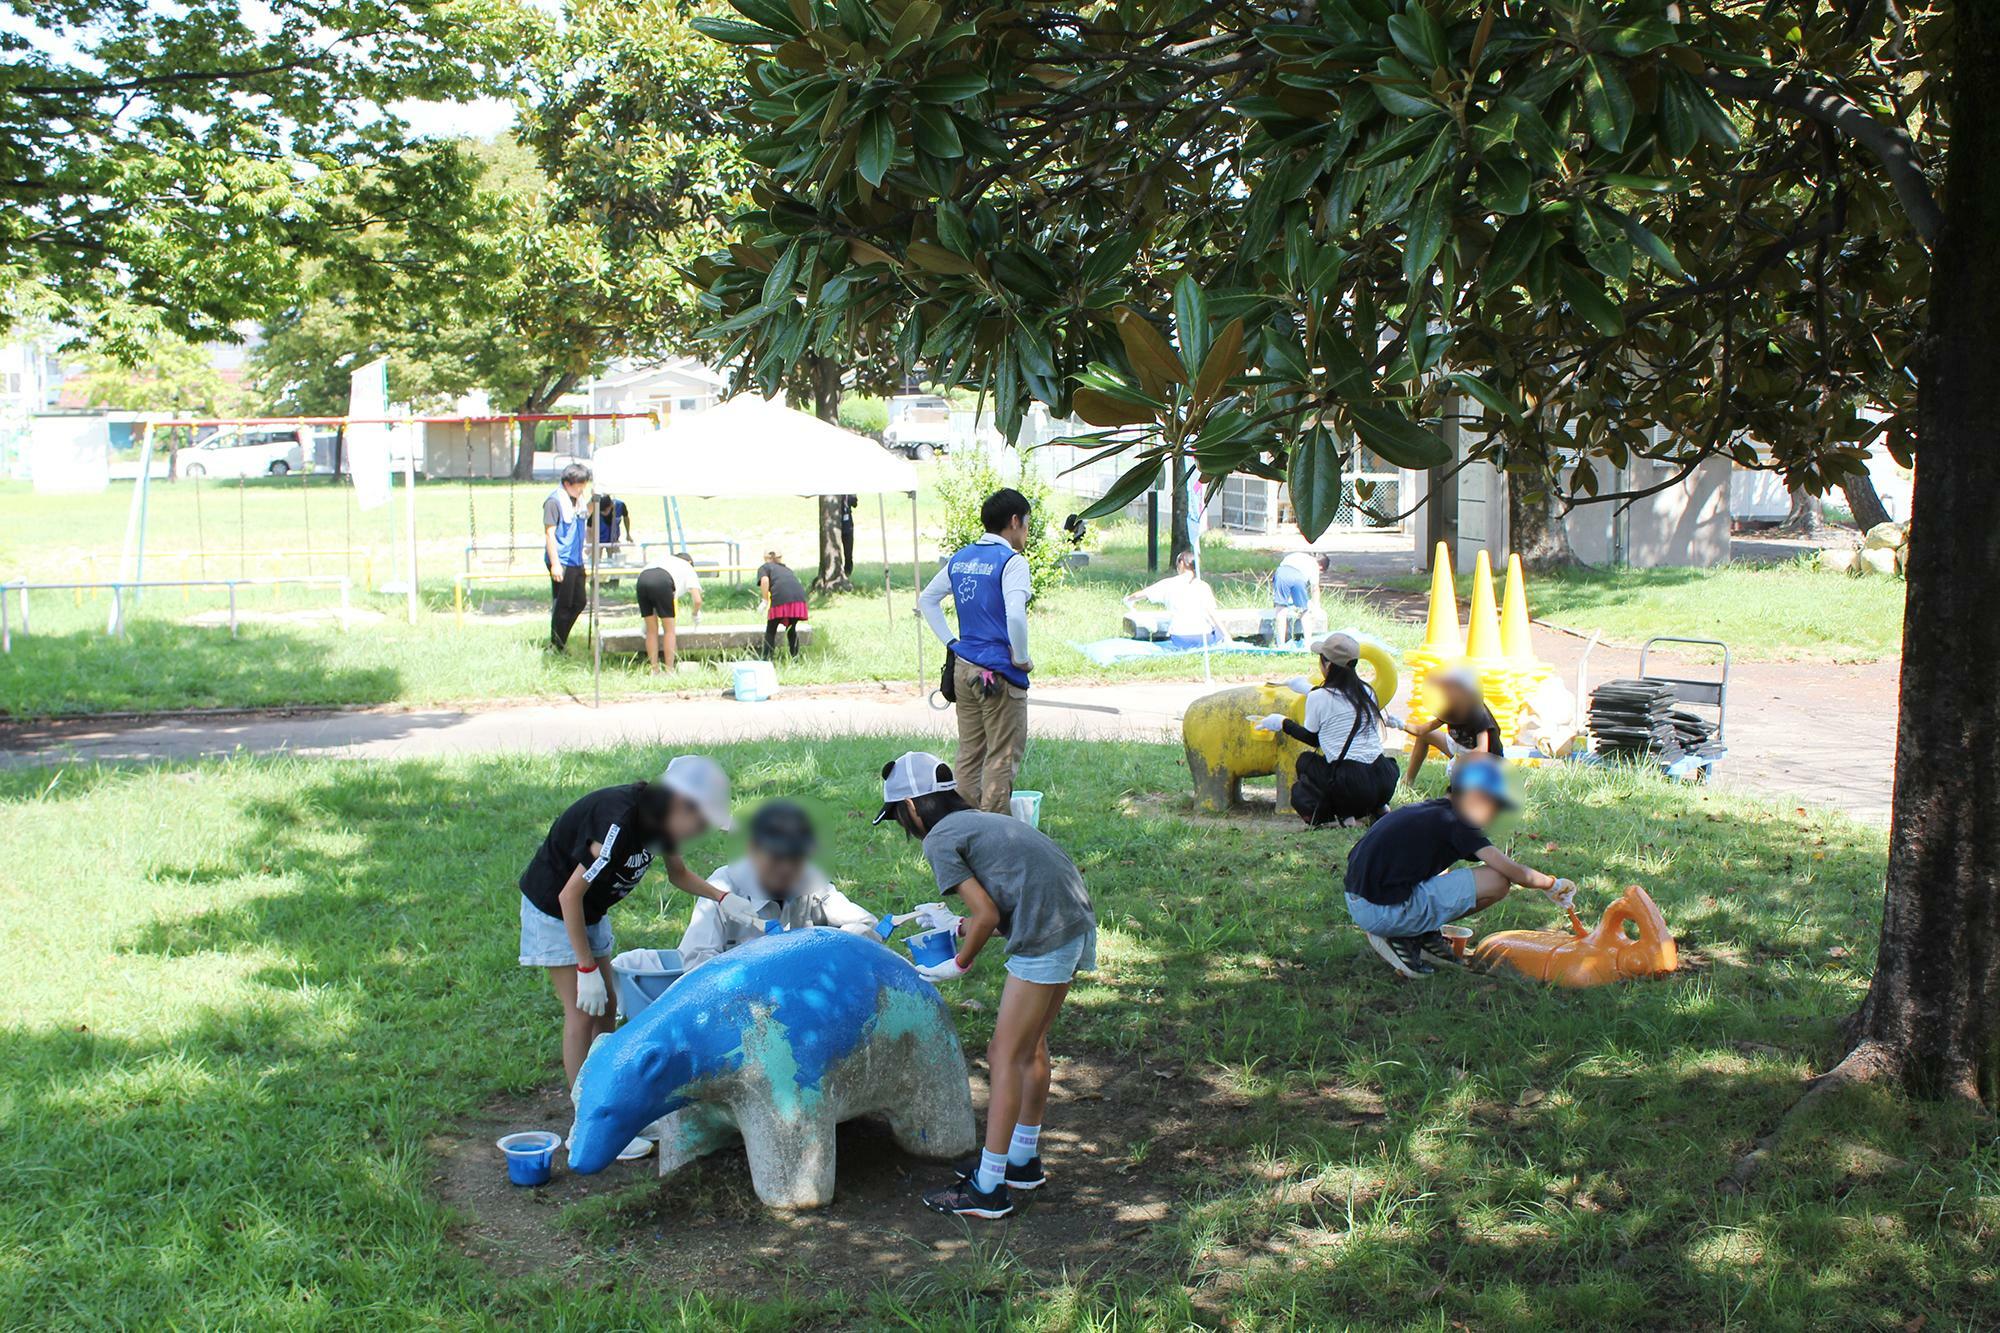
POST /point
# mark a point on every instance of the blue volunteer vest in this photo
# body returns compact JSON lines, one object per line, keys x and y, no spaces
{"x":569,"y":539}
{"x":982,"y":611}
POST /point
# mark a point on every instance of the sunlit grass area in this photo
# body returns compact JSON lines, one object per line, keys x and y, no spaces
{"x":247,"y":995}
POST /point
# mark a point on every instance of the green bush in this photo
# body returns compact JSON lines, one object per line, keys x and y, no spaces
{"x":864,"y":415}
{"x":963,"y":485}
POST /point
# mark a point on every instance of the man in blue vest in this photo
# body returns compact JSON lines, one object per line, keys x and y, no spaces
{"x":988,"y":583}
{"x":563,"y":519}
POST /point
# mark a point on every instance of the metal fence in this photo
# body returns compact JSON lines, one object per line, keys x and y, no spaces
{"x":119,"y":587}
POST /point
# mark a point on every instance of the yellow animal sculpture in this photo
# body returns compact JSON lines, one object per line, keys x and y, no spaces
{"x":1578,"y":958}
{"x":1223,"y":748}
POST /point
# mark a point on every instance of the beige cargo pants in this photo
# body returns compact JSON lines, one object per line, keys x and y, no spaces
{"x":992,"y":733}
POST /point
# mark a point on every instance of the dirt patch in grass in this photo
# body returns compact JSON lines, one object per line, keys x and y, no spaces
{"x":1121,"y":1138}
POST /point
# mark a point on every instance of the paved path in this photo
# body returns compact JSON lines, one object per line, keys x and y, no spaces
{"x":1819,"y":733}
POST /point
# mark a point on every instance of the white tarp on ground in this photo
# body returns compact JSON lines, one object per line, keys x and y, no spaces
{"x":750,"y":446}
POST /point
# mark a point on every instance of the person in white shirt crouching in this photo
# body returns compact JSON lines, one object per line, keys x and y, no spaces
{"x":777,"y":877}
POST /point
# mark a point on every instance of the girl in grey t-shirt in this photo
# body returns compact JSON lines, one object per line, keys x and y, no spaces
{"x":1017,"y":883}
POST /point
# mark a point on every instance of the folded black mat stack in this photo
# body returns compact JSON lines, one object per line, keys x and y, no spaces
{"x":1640,"y":719}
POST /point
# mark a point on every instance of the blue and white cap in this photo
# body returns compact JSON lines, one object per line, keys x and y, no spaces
{"x":910,"y":776}
{"x":1483,"y":775}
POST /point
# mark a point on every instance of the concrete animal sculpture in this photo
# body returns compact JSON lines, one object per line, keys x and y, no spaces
{"x":1577,"y":957}
{"x":778,"y":1041}
{"x":1223,"y":748}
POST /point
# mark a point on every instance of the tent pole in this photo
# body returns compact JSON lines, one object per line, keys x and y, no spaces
{"x":410,"y":526}
{"x":596,"y":641}
{"x":917,"y":582}
{"x":882,"y":517}
{"x":135,"y":527}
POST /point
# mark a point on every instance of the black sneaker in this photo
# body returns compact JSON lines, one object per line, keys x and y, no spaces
{"x":1403,"y":954}
{"x":1027,"y":1176}
{"x":965,"y":1199}
{"x":1438,"y":947}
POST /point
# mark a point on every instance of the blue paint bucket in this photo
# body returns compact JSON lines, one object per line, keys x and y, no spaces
{"x":642,"y":976}
{"x":933,"y":947}
{"x":531,"y":1155}
{"x":753,"y":682}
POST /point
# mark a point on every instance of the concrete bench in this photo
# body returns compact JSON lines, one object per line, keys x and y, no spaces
{"x":1241,"y":622}
{"x":699,"y":638}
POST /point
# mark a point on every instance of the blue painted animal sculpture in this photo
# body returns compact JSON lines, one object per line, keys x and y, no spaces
{"x":778,"y":1041}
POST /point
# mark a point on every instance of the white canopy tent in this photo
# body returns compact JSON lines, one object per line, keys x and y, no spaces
{"x":753,"y":446}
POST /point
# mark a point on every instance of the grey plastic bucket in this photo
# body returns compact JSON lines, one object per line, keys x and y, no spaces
{"x":643,"y":975}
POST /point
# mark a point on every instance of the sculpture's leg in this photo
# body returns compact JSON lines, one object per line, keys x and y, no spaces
{"x":791,"y":1158}
{"x":689,"y":1133}
{"x":931,"y":1111}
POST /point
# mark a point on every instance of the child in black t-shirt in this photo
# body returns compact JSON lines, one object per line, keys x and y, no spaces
{"x":595,"y":853}
{"x":1404,"y":880}
{"x":1463,"y":726}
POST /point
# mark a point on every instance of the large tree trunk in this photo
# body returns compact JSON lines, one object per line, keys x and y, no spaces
{"x":1932,"y":1017}
{"x":1863,"y":502}
{"x":538,"y":402}
{"x":1179,"y":472}
{"x":1807,"y":514}
{"x":524,"y":452}
{"x":832,"y":554}
{"x":1537,"y":531}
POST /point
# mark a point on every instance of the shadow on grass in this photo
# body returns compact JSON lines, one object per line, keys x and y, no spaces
{"x":159,"y":666}
{"x":1366,"y":1150}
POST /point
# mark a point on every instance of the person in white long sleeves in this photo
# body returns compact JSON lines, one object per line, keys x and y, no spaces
{"x":1191,"y":612}
{"x":989,"y":583}
{"x":777,"y":877}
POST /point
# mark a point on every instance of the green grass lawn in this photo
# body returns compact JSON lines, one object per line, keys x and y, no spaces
{"x":249,"y":996}
{"x":66,"y":665}
{"x":1777,"y":612}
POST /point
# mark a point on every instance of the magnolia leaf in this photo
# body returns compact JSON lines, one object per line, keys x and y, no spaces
{"x":934,"y":132}
{"x":1505,"y":184}
{"x":1191,"y":322}
{"x":877,"y":149}
{"x":1486,"y":395}
{"x":863,"y":253}
{"x":949,"y":88}
{"x":1397,"y":439}
{"x":1125,"y":490}
{"x":1589,"y":300}
{"x":1314,"y":479}
{"x":937,"y":259}
{"x":1101,"y":409}
{"x":1149,"y":352}
{"x":1637,"y":36}
{"x":1607,"y":103}
{"x":737,"y":33}
{"x":1223,"y":362}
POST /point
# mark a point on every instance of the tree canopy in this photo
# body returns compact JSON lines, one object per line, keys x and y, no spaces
{"x":1252,"y":234}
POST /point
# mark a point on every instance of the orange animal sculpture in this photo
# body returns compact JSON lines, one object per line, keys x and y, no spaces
{"x":1588,"y":958}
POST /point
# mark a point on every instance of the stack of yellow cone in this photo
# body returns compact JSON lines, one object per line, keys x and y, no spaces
{"x":1516,"y":644}
{"x":1484,"y":653}
{"x":1443,"y":646}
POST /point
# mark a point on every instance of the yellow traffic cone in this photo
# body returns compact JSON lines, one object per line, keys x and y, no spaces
{"x":1482,"y":622}
{"x":1516,"y":644}
{"x":1441,"y":637}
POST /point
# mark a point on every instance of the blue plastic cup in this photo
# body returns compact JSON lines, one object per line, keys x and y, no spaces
{"x":531,"y":1155}
{"x":933,"y":947}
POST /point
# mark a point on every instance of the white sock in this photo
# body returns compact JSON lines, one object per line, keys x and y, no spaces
{"x":1021,"y":1150}
{"x":992,"y":1170}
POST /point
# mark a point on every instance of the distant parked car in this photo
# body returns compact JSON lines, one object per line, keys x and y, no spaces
{"x":919,"y":425}
{"x":236,"y":452}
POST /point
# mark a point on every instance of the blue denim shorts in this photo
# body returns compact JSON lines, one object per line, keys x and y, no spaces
{"x":1289,"y":588}
{"x":1059,"y":966}
{"x":1431,"y":904}
{"x":545,"y":940}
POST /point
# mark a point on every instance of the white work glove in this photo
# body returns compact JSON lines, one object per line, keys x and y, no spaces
{"x":1270,"y":722}
{"x":948,"y":970}
{"x":1562,"y":893}
{"x":737,"y":911}
{"x":935,"y":916}
{"x":591,"y":996}
{"x":1300,"y":685}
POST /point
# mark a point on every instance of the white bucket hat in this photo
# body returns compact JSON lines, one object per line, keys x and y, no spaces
{"x":701,"y":781}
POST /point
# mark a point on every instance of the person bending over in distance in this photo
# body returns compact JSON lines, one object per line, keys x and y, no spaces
{"x":1016,"y":883}
{"x":1191,"y":614}
{"x":662,"y":583}
{"x":784,"y":599}
{"x":989,"y":584}
{"x":1345,"y":778}
{"x":777,"y":877}
{"x":594,"y":854}
{"x":1463,"y":726}
{"x":563,"y":518}
{"x":1294,"y":593}
{"x":1404,"y":879}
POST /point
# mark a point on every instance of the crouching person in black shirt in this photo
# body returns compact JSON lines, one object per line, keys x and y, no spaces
{"x":1404,"y":880}
{"x":595,"y":853}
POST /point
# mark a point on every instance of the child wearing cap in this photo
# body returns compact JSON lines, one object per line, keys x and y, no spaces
{"x":1464,"y":725}
{"x":595,"y":853}
{"x":1404,"y":879}
{"x":1014,"y":882}
{"x":1345,"y":778}
{"x":777,"y":877}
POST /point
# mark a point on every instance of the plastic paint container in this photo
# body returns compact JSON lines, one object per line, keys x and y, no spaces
{"x":531,"y":1155}
{"x":642,"y":976}
{"x":933,"y":947}
{"x":1027,"y":807}
{"x":753,"y":682}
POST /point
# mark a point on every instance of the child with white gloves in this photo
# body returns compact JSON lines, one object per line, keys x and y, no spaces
{"x":1015,"y":882}
{"x":595,"y":853}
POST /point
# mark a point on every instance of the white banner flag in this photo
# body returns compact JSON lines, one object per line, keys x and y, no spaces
{"x":368,"y":451}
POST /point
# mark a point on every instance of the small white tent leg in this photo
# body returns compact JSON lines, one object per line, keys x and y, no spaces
{"x":917,"y":582}
{"x":882,"y":517}
{"x":133,"y":557}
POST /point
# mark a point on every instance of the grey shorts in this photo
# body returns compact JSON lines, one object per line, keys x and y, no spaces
{"x":545,"y":940}
{"x":1439,"y":899}
{"x":1059,"y":965}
